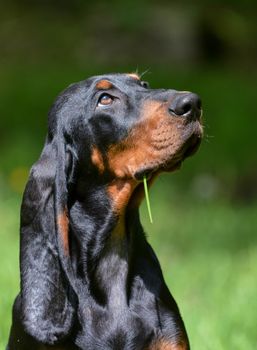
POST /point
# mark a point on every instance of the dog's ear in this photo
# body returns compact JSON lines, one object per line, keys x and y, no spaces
{"x":47,"y":296}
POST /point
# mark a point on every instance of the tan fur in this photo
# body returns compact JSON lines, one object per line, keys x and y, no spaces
{"x":63,"y":224}
{"x":164,"y":344}
{"x":97,"y":159}
{"x":104,"y":85}
{"x":151,"y":140}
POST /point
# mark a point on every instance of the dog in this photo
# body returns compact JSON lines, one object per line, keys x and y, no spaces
{"x":89,"y":278}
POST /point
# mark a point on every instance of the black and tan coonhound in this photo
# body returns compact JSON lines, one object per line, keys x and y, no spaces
{"x":89,"y":278}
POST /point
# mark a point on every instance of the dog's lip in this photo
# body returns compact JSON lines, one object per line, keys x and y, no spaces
{"x":150,"y":172}
{"x":192,"y":145}
{"x":145,"y":172}
{"x":188,"y":149}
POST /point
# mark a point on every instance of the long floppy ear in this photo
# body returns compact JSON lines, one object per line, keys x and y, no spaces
{"x":47,"y":296}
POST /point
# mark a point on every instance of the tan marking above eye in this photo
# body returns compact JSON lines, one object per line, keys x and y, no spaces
{"x":104,"y":85}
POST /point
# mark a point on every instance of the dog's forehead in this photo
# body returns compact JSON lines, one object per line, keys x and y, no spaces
{"x":119,"y":80}
{"x":118,"y":77}
{"x":84,"y":89}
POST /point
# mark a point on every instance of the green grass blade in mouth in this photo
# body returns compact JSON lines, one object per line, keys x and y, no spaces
{"x":147,"y":200}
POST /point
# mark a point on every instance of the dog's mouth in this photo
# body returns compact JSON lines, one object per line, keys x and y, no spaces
{"x":188,"y":149}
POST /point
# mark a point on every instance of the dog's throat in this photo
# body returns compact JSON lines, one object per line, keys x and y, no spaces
{"x":125,"y":195}
{"x":120,"y":191}
{"x":111,"y":274}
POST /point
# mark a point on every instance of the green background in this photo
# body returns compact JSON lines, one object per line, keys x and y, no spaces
{"x":205,"y":215}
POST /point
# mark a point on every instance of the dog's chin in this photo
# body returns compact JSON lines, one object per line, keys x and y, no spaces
{"x":188,"y":149}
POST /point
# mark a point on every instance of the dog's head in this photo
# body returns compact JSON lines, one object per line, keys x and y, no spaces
{"x":119,"y":130}
{"x":127,"y":130}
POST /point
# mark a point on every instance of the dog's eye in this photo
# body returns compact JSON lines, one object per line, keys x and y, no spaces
{"x":104,"y":100}
{"x":145,"y":84}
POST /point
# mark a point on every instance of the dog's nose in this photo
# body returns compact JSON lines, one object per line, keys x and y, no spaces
{"x":186,"y":105}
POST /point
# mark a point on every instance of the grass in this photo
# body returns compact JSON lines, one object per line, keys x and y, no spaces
{"x":147,"y":199}
{"x":209,"y":256}
{"x":9,"y":277}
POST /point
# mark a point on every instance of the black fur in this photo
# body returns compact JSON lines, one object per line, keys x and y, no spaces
{"x":106,"y":293}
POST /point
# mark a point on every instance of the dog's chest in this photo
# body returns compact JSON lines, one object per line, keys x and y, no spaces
{"x":115,"y":330}
{"x":111,"y":278}
{"x":121,"y":322}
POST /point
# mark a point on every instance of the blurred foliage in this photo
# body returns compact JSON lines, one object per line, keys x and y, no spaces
{"x":134,"y":32}
{"x":208,"y":243}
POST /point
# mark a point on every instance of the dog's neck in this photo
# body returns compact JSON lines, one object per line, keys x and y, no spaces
{"x":104,"y":221}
